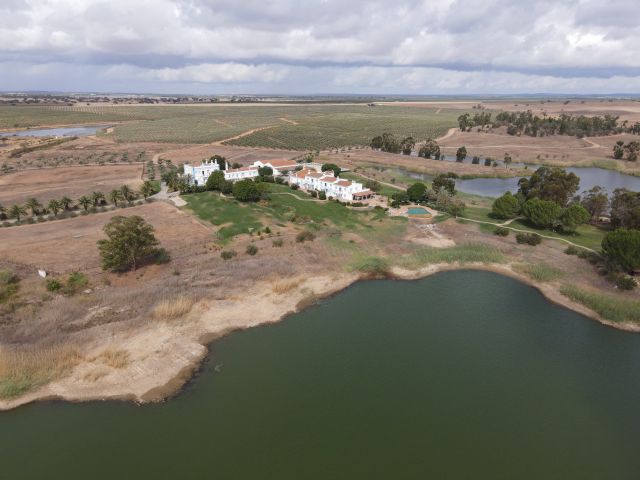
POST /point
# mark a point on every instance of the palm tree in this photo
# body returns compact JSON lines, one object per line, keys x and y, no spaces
{"x":66,"y":202}
{"x":127,"y":193}
{"x":97,"y":198}
{"x":147,"y":189}
{"x":114,"y":196}
{"x":55,"y":206}
{"x":85,"y":202}
{"x":34,"y":205}
{"x":17,"y":211}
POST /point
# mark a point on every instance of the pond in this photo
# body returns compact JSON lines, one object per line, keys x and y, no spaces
{"x":79,"y":131}
{"x":494,"y":187}
{"x":461,"y":375}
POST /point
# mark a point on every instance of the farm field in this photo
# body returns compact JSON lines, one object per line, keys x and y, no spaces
{"x":338,"y":127}
{"x":74,"y":240}
{"x":296,"y":127}
{"x":73,"y":182}
{"x":244,"y":156}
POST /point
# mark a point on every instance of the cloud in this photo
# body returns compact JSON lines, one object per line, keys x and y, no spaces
{"x":327,"y":44}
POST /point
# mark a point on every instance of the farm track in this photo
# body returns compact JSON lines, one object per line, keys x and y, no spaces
{"x":220,"y":143}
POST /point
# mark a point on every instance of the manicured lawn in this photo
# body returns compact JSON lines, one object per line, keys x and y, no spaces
{"x":385,"y":190}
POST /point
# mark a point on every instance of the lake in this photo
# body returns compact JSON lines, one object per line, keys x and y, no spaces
{"x":81,"y":131}
{"x":462,"y":375}
{"x":494,"y":187}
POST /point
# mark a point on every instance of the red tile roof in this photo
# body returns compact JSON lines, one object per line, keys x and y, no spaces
{"x":344,"y":183}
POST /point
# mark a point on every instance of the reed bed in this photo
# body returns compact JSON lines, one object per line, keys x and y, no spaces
{"x":172,"y":308}
{"x":465,"y":253}
{"x":609,"y":307}
{"x":25,"y":369}
{"x":539,"y":272}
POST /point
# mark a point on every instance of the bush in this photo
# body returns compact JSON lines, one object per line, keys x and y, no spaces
{"x":252,"y":250}
{"x":506,"y":206}
{"x":75,"y":282}
{"x":162,"y":256}
{"x":305,"y":236}
{"x":295,"y":186}
{"x":54,"y":285}
{"x":322,"y":195}
{"x":313,"y":193}
{"x":572,"y":250}
{"x":501,"y":232}
{"x":278,"y":243}
{"x":375,"y":266}
{"x":228,"y":254}
{"x":626,"y":282}
{"x":8,"y":285}
{"x":529,"y":238}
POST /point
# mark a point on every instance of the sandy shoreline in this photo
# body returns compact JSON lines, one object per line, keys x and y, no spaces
{"x":166,"y":355}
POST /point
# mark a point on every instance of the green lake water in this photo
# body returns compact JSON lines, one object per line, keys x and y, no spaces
{"x":463,"y":375}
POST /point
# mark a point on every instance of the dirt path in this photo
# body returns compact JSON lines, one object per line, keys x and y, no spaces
{"x":292,"y":122}
{"x":449,"y":133}
{"x":298,"y":198}
{"x":220,"y":143}
{"x":504,"y":225}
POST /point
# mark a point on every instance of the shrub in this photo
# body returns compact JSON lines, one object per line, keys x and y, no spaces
{"x":252,"y":250}
{"x":75,"y":282}
{"x":278,"y":243}
{"x":626,"y":282}
{"x":9,"y":284}
{"x":162,"y":256}
{"x":305,"y":236}
{"x":572,"y":250}
{"x":501,"y":232}
{"x":228,"y":254}
{"x":529,"y":238}
{"x":375,"y":266}
{"x":54,"y":285}
{"x":322,"y":195}
{"x":313,"y":193}
{"x":506,"y":206}
{"x":295,"y":186}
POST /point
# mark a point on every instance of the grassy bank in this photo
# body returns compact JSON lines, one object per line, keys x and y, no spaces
{"x":539,"y":272}
{"x":464,"y":253}
{"x":23,"y":370}
{"x":609,"y":307}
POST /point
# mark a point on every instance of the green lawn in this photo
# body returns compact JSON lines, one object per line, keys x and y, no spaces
{"x":286,"y":205}
{"x":385,"y":190}
{"x":589,"y":236}
{"x":233,"y":217}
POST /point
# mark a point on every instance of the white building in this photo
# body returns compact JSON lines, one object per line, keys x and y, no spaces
{"x":235,"y":174}
{"x":198,"y":175}
{"x":332,"y":186}
{"x":279,"y":167}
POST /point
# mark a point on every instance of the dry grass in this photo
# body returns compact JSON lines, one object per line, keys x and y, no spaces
{"x":24,"y":369}
{"x":115,"y":358}
{"x":285,"y":285}
{"x":172,"y":308}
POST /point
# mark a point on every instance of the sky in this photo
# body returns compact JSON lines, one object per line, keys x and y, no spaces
{"x":293,"y":47}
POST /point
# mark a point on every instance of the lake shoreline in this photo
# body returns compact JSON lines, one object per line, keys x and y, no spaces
{"x":167,"y":357}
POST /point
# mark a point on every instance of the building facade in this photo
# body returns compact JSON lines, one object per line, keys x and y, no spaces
{"x":332,"y":186}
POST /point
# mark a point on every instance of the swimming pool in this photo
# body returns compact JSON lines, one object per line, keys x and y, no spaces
{"x":418,"y":211}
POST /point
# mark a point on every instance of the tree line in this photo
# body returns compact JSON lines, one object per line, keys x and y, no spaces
{"x":548,"y":199}
{"x":33,"y":208}
{"x":527,"y":123}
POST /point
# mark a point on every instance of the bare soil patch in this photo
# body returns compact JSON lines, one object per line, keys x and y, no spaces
{"x":73,"y":182}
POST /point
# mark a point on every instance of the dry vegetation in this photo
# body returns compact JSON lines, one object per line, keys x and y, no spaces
{"x":25,"y":368}
{"x":173,"y":308}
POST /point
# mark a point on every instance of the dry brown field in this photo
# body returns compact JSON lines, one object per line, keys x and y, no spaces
{"x":536,"y":149}
{"x":242,"y":155}
{"x":73,"y":182}
{"x":625,"y":109}
{"x":68,"y":245}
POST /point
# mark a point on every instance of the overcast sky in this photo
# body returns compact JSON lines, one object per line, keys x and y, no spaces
{"x":321,"y":46}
